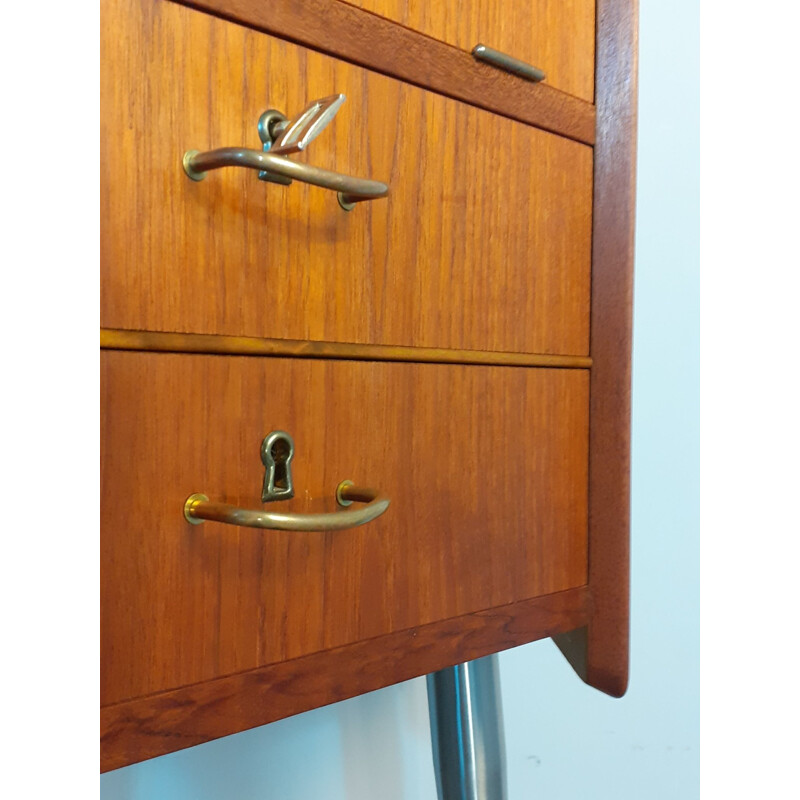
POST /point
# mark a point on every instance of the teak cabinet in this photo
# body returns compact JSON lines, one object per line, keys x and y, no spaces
{"x":462,"y":343}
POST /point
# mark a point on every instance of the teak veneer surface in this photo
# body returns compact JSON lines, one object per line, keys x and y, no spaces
{"x":484,"y":242}
{"x":207,"y":631}
{"x":162,"y":723}
{"x":486,"y":468}
{"x":372,"y":41}
{"x":599,"y":652}
{"x":556,"y":37}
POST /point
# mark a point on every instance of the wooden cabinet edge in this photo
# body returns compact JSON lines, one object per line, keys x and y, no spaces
{"x":575,"y":647}
{"x":599,"y":652}
{"x":371,"y":41}
{"x":143,"y":728}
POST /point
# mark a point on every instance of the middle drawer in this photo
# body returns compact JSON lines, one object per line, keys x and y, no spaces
{"x":484,"y":241}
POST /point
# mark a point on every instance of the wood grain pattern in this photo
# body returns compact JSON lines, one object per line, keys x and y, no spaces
{"x":384,"y":46}
{"x":483,"y":244}
{"x":556,"y":37}
{"x":600,"y":653}
{"x":113,"y":339}
{"x":486,"y":468}
{"x":162,"y":723}
{"x":480,"y":255}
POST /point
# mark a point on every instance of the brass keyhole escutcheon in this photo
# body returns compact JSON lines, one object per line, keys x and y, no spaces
{"x":277,"y":451}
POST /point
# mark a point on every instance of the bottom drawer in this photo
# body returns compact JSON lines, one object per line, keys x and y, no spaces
{"x":486,"y":468}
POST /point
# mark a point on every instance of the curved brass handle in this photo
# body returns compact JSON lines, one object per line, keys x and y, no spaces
{"x":351,"y":190}
{"x":281,"y":137}
{"x":199,"y":508}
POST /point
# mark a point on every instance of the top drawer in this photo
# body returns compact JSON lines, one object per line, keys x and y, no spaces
{"x":484,"y":242}
{"x":557,"y":37}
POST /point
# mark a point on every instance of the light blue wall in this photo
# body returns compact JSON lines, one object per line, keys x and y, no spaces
{"x":373,"y":747}
{"x":563,"y":740}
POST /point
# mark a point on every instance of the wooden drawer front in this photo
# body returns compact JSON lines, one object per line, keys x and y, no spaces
{"x":486,"y":468}
{"x":483,"y":243}
{"x":557,"y":37}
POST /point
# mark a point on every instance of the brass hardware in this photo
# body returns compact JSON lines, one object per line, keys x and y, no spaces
{"x":277,"y":451}
{"x":268,"y":124}
{"x":508,"y":63}
{"x":341,"y":498}
{"x":198,"y":508}
{"x":192,"y":501}
{"x":344,"y":203}
{"x":296,"y":135}
{"x":187,"y":166}
{"x":280,"y":137}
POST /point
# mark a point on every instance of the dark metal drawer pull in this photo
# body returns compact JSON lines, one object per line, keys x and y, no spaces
{"x":508,"y":63}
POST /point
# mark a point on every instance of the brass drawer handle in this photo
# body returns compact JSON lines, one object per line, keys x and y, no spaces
{"x":281,"y":137}
{"x":199,"y":508}
{"x":508,"y":63}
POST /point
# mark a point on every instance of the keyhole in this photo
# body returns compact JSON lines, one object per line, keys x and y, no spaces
{"x":277,"y":450}
{"x":280,"y":452}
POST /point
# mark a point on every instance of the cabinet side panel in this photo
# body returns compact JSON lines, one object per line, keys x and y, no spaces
{"x":600,"y":653}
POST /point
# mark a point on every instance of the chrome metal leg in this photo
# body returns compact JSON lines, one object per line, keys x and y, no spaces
{"x":467,"y":731}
